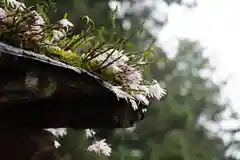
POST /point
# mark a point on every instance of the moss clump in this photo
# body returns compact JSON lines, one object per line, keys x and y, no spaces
{"x":79,"y":61}
{"x":64,"y":56}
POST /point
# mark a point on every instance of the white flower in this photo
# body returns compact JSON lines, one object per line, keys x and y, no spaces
{"x":38,"y":19}
{"x":144,"y":88}
{"x":134,"y":104}
{"x":132,"y":76}
{"x":15,"y":4}
{"x":120,"y":93}
{"x":118,"y":57}
{"x":113,"y":58}
{"x":19,"y":6}
{"x":108,"y":62}
{"x":125,"y":58}
{"x":10,"y":2}
{"x":100,"y":147}
{"x":65,"y":23}
{"x":2,"y":13}
{"x":142,"y":98}
{"x":144,"y":110}
{"x":101,"y":57}
{"x":35,"y":29}
{"x":115,"y":68}
{"x":59,"y":132}
{"x":134,"y":86}
{"x":155,"y":90}
{"x":57,"y":144}
{"x":136,"y":77}
{"x":116,"y":54}
{"x":57,"y":35}
{"x":89,"y":133}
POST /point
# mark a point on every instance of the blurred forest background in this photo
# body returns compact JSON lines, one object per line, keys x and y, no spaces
{"x":172,"y":129}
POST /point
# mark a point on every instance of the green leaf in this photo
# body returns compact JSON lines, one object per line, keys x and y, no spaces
{"x":65,"y":16}
{"x":88,"y":20}
{"x":147,"y":53}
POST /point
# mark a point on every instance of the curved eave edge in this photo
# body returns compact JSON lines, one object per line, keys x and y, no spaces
{"x":8,"y":49}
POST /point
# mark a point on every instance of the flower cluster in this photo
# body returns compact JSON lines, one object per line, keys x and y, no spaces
{"x":15,"y":5}
{"x":134,"y":87}
{"x":34,"y":27}
{"x":29,"y":25}
{"x":100,"y":147}
{"x":61,"y":30}
{"x":122,"y":72}
{"x":59,"y":132}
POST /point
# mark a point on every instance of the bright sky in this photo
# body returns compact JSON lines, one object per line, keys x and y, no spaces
{"x":216,"y":24}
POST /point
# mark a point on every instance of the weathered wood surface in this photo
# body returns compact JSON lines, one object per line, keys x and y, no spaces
{"x":39,"y":92}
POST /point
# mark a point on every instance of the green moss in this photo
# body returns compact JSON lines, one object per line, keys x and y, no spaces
{"x":65,"y":56}
{"x":76,"y":60}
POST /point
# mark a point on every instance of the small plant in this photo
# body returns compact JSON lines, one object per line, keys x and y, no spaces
{"x":123,"y":72}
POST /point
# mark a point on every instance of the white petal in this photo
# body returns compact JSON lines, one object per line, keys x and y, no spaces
{"x":38,"y":19}
{"x":144,"y":110}
{"x":65,"y":23}
{"x":57,"y":144}
{"x":100,"y":147}
{"x":120,"y":93}
{"x":18,"y":5}
{"x":144,"y":88}
{"x":57,"y":35}
{"x":134,"y":104}
{"x":2,"y":13}
{"x":10,"y":2}
{"x":155,"y":90}
{"x":142,"y":98}
{"x":59,"y":132}
{"x":89,"y":133}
